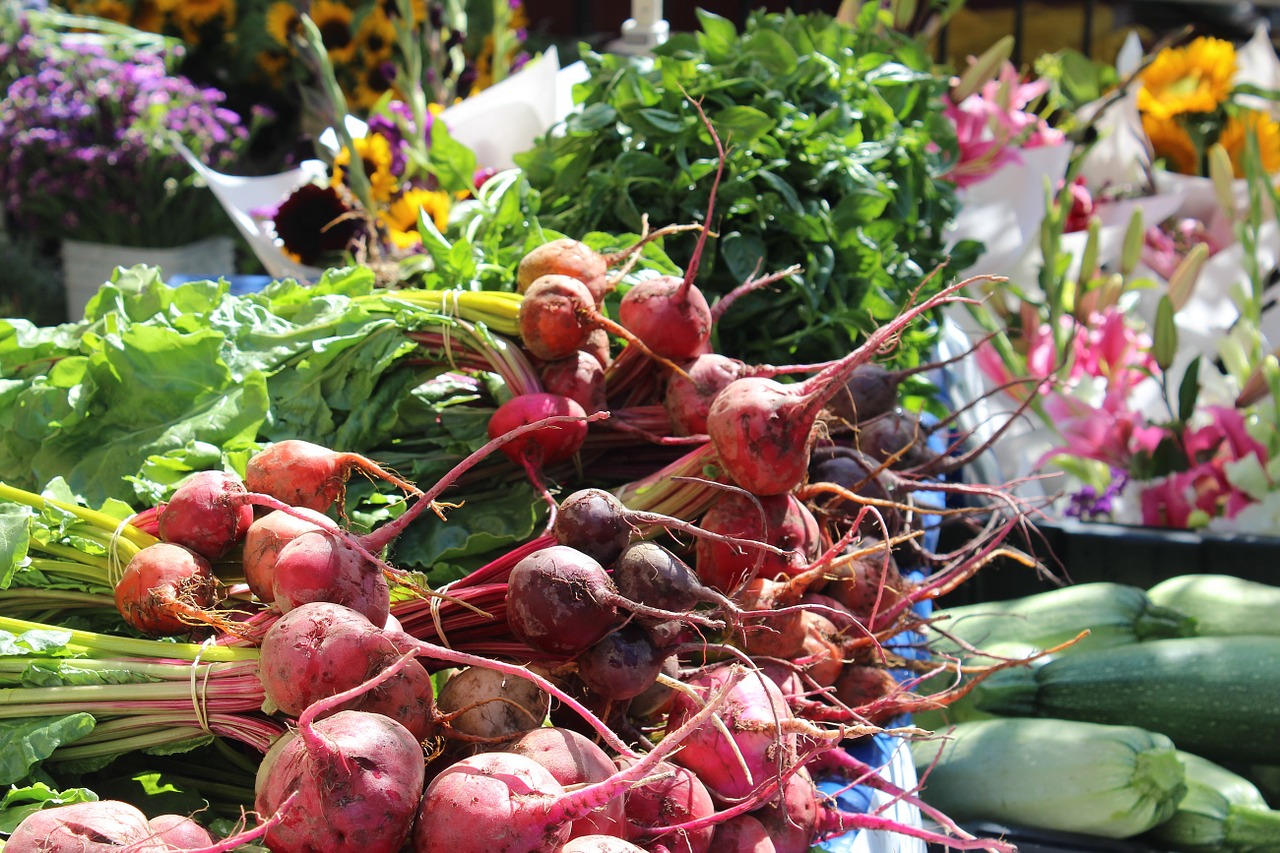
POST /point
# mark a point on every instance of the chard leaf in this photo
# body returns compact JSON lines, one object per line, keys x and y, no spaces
{"x":38,"y":642}
{"x":15,"y":523}
{"x":25,"y":742}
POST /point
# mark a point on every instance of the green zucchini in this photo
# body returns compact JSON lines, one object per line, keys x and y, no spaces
{"x":1113,"y":613}
{"x":1221,"y":811}
{"x":1222,"y":605}
{"x":1218,"y":697}
{"x":1109,"y":781}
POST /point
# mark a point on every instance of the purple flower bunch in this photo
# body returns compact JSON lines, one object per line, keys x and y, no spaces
{"x":89,"y":150}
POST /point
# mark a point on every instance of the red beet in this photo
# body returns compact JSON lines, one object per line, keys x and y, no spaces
{"x":580,"y":377}
{"x":166,"y":590}
{"x":688,"y":398}
{"x":785,"y":523}
{"x":307,"y":475}
{"x":323,"y":565}
{"x":565,"y":256}
{"x":265,"y":539}
{"x":763,"y":430}
{"x":208,"y":513}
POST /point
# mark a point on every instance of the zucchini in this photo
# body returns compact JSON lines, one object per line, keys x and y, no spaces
{"x":1222,"y":605}
{"x":1221,"y":811}
{"x":1215,"y":696}
{"x":1109,"y":781}
{"x":1114,"y":614}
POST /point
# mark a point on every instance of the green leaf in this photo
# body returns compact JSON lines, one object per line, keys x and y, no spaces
{"x":453,"y":163}
{"x":718,"y":36}
{"x":1189,"y":391}
{"x":19,"y":802}
{"x":25,"y":742}
{"x":15,"y":521}
{"x":741,"y":125}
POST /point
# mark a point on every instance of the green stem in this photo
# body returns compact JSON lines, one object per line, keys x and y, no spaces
{"x":104,"y":645}
{"x":93,"y":518}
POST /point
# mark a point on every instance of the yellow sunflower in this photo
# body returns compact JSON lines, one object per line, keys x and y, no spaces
{"x":374,"y":151}
{"x":272,"y":64}
{"x":193,"y":15}
{"x":334,"y":22}
{"x":1191,"y":79}
{"x":283,"y":20}
{"x":401,"y":217}
{"x":376,"y":37}
{"x":1171,"y":143}
{"x":111,"y":10}
{"x":1264,"y":128}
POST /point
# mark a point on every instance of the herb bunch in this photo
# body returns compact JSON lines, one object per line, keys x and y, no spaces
{"x":837,"y":142}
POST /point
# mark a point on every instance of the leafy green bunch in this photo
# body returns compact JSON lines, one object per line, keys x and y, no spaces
{"x":836,"y":140}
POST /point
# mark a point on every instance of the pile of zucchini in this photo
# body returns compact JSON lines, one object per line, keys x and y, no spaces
{"x":1151,"y":725}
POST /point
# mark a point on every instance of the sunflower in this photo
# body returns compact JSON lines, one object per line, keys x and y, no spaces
{"x":313,"y":223}
{"x":372,"y":84}
{"x":283,"y":20}
{"x":401,"y":216}
{"x":1171,"y":142}
{"x":110,"y":10}
{"x":334,"y":22}
{"x":272,"y":64}
{"x":1191,"y":79}
{"x":375,"y":38}
{"x":191,"y":16}
{"x":1264,"y":128}
{"x":374,"y":151}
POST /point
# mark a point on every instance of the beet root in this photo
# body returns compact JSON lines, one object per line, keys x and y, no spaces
{"x":308,"y":475}
{"x":321,"y":565}
{"x":167,"y":589}
{"x":560,"y":601}
{"x":574,"y":759}
{"x":669,"y":315}
{"x":320,"y":649}
{"x":565,"y":256}
{"x":264,"y":541}
{"x":358,"y":778}
{"x":208,"y":513}
{"x":786,"y":523}
{"x":100,"y":826}
{"x":688,"y":398}
{"x":755,"y":714}
{"x":181,"y":832}
{"x":594,"y":522}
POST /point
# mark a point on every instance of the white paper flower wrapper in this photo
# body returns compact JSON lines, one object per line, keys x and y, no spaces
{"x":496,"y":123}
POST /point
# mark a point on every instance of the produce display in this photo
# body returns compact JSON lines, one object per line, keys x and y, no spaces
{"x":718,"y":615}
{"x":1139,"y":668}
{"x":607,"y":501}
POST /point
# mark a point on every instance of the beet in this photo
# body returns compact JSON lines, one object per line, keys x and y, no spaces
{"x":321,"y":649}
{"x":308,"y":475}
{"x":565,"y":256}
{"x":560,"y":601}
{"x":595,"y":523}
{"x":580,"y":377}
{"x":688,"y":398}
{"x":669,"y":315}
{"x":264,"y":541}
{"x":322,"y":565}
{"x":622,"y":664}
{"x":99,"y":826}
{"x":358,"y":779}
{"x":207,"y":513}
{"x":180,"y":832}
{"x":763,"y":430}
{"x":166,"y":590}
{"x":676,"y":797}
{"x":786,"y":523}
{"x":573,"y":759}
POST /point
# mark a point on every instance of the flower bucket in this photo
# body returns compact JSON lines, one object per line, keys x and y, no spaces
{"x":86,"y":266}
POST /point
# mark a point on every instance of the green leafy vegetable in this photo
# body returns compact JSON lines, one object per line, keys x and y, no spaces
{"x":836,"y":143}
{"x":26,"y":742}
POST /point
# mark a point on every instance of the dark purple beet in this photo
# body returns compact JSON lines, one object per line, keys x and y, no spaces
{"x":593,"y":522}
{"x":622,"y":664}
{"x":559,"y":600}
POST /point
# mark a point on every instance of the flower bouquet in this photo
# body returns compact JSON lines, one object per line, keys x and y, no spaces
{"x":1165,"y":417}
{"x":91,"y":138}
{"x":375,"y":183}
